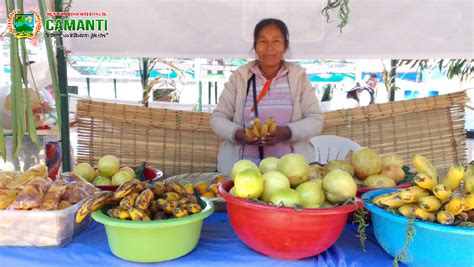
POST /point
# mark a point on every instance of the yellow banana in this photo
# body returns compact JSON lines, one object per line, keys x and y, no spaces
{"x":264,"y":130}
{"x":256,"y":123}
{"x":248,"y":133}
{"x":93,"y":203}
{"x":118,"y":213}
{"x":377,"y":199}
{"x":454,"y":176}
{"x":176,"y":188}
{"x":442,"y":192}
{"x":425,"y":181}
{"x":429,"y":203}
{"x":445,"y":217}
{"x":469,"y":202}
{"x":171,"y":196}
{"x":424,"y":215}
{"x":392,"y":202}
{"x":191,"y":198}
{"x":154,"y":208}
{"x":126,"y":188}
{"x":407,"y":210}
{"x":255,"y":131}
{"x":412,"y":194}
{"x":455,"y":205}
{"x":144,"y":199}
{"x":169,"y":206}
{"x":158,"y":189}
{"x":138,"y":215}
{"x":193,"y":208}
{"x":180,"y":212}
{"x":128,"y":201}
{"x":272,"y":127}
{"x":423,"y":165}
{"x":469,"y":183}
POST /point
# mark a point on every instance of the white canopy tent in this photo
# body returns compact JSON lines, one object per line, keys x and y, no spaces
{"x":224,"y":28}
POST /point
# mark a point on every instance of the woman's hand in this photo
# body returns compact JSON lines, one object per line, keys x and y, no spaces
{"x":281,"y":134}
{"x":242,"y":138}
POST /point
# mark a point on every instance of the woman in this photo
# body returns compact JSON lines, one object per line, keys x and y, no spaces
{"x":281,"y":91}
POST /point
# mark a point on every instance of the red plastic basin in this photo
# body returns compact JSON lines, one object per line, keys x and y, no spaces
{"x":149,"y":174}
{"x":285,"y":233}
{"x":362,"y":190}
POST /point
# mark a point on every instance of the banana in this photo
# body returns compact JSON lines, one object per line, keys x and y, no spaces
{"x":455,"y":205}
{"x":423,"y":165}
{"x":256,"y":124}
{"x":412,"y":194}
{"x":119,"y":214}
{"x":93,"y":203}
{"x":161,"y":201}
{"x":191,"y":198}
{"x":194,"y":208}
{"x":126,"y":188}
{"x":445,"y":217}
{"x":138,"y":215}
{"x":469,"y":180}
{"x":255,"y":131}
{"x":429,"y":203}
{"x":169,"y":206}
{"x":469,"y":202}
{"x":144,"y":199}
{"x":392,"y":202}
{"x":180,"y":212}
{"x":158,"y":189}
{"x":184,"y":202}
{"x":176,"y":188}
{"x":442,"y":192}
{"x":172,"y":196}
{"x":264,"y":130}
{"x":128,"y":201}
{"x":407,"y":210}
{"x":424,"y":215}
{"x":272,"y":127}
{"x":454,"y":176}
{"x":377,"y":199}
{"x":248,"y":133}
{"x":154,"y":208}
{"x":425,"y":181}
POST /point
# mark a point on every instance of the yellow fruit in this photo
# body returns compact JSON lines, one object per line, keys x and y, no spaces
{"x":264,"y":130}
{"x":201,"y":187}
{"x":407,"y":210}
{"x":424,"y":215}
{"x":392,"y":160}
{"x":392,"y":202}
{"x":189,"y":188}
{"x":396,"y":173}
{"x":379,"y":181}
{"x":423,"y":165}
{"x":469,"y":202}
{"x":85,"y":171}
{"x":256,"y":132}
{"x":256,"y":124}
{"x":442,"y":192}
{"x":425,"y":181}
{"x":454,"y":177}
{"x":413,"y":193}
{"x":455,"y":205}
{"x":248,"y":133}
{"x":248,"y":184}
{"x":429,"y":203}
{"x":445,"y":217}
{"x":108,"y":166}
{"x":121,"y":177}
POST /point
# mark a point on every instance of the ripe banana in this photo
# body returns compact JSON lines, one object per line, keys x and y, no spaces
{"x":392,"y":202}
{"x":127,"y":188}
{"x":176,"y":188}
{"x":425,"y":181}
{"x":193,"y":208}
{"x":412,"y":194}
{"x":171,"y":196}
{"x":158,"y":189}
{"x":256,"y":131}
{"x":469,"y":182}
{"x":248,"y":133}
{"x":454,"y":176}
{"x":429,"y":203}
{"x":95,"y":202}
{"x":377,"y":199}
{"x":445,"y":217}
{"x":424,"y":215}
{"x":256,"y":124}
{"x":264,"y":130}
{"x":138,"y":215}
{"x":144,"y":199}
{"x":408,"y":210}
{"x":272,"y":127}
{"x":442,"y":192}
{"x":180,"y":212}
{"x":128,"y":201}
{"x":455,"y":205}
{"x":161,"y":215}
{"x":118,"y":213}
{"x":423,"y":165}
{"x":469,"y":202}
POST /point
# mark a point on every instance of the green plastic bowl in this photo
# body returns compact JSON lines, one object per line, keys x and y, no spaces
{"x":153,"y":241}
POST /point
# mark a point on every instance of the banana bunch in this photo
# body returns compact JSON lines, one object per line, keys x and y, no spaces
{"x":139,"y":201}
{"x":445,"y":202}
{"x":259,"y":130}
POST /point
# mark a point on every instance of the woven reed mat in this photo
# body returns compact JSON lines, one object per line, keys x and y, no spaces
{"x":180,"y":142}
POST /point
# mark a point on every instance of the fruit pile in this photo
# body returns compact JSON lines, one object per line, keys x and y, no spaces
{"x":108,"y":172}
{"x":202,"y":188}
{"x":446,"y":203}
{"x":138,"y":201}
{"x":258,"y":130}
{"x":285,"y":182}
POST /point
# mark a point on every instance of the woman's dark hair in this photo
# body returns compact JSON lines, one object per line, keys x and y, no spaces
{"x":280,"y":25}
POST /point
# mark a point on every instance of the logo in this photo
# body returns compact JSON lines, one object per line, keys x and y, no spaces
{"x":24,"y":25}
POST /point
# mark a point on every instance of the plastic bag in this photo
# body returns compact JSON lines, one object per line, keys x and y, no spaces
{"x":32,"y":194}
{"x":52,"y":198}
{"x":6,"y":197}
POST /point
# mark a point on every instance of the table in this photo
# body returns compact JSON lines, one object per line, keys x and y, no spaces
{"x":218,"y":246}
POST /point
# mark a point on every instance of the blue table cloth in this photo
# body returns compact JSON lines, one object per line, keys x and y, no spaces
{"x":218,"y":246}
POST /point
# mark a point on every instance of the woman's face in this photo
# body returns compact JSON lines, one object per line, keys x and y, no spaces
{"x":270,"y":46}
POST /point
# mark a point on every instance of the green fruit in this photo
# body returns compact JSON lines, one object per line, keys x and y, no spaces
{"x":242,"y":165}
{"x":379,"y":181}
{"x":311,"y":193}
{"x":101,"y":180}
{"x":339,"y":186}
{"x":85,"y":171}
{"x":248,"y":184}
{"x":286,"y":197}
{"x":108,"y":166}
{"x":120,"y":178}
{"x":295,"y":167}
{"x":272,"y":182}
{"x":366,"y":162}
{"x":339,"y":165}
{"x":268,"y":164}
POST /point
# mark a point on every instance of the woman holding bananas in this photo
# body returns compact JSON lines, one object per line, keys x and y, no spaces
{"x":268,"y":106}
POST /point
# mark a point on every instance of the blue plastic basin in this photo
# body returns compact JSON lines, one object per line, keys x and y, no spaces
{"x":432,"y":245}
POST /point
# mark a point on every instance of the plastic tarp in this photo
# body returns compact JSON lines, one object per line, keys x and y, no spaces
{"x":224,"y":28}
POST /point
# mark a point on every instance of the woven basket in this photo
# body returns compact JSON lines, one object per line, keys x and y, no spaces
{"x":180,"y":142}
